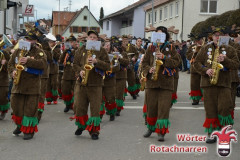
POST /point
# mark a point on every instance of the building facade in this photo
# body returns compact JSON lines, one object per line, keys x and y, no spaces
{"x":184,"y":14}
{"x":14,"y":18}
{"x":129,"y":20}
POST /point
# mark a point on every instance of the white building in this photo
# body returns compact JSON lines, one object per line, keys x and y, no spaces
{"x":129,"y":20}
{"x":184,"y":14}
{"x":14,"y":19}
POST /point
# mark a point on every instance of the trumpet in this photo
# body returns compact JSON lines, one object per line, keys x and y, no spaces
{"x":55,"y":46}
{"x":19,"y":67}
{"x":2,"y":57}
{"x":87,"y":68}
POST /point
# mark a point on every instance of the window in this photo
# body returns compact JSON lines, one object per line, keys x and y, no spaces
{"x":171,"y":10}
{"x":107,"y":25}
{"x":155,"y":17}
{"x":149,"y":18}
{"x":75,"y":29}
{"x":130,"y":22}
{"x":124,"y":24}
{"x":177,"y":8}
{"x":160,"y":14}
{"x":84,"y":29}
{"x":208,"y":6}
{"x":93,"y":28}
{"x":84,"y":18}
{"x":165,"y":13}
{"x":7,"y":17}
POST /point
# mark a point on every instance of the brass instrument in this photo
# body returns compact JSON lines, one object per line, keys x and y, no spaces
{"x":5,"y":41}
{"x":143,"y":82}
{"x":2,"y":57}
{"x":19,"y":67}
{"x":196,"y":49}
{"x":215,"y":66}
{"x":55,"y":46}
{"x":156,"y":64}
{"x":87,"y":68}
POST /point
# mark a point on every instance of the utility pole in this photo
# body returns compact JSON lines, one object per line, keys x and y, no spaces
{"x":89,"y":17}
{"x":70,"y":4}
{"x":59,"y":18}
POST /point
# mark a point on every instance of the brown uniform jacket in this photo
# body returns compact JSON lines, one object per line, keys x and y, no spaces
{"x":191,"y":55}
{"x":171,"y":62}
{"x":234,"y":72}
{"x":176,"y":75}
{"x":56,"y":53}
{"x":47,"y":51}
{"x":68,"y":72}
{"x":102,"y":65}
{"x":110,"y":79}
{"x":140,"y":50}
{"x":29,"y":83}
{"x":4,"y":80}
{"x":230,"y":62}
{"x":124,"y":61}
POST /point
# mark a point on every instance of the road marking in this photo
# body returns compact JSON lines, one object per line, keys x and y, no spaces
{"x":175,"y":107}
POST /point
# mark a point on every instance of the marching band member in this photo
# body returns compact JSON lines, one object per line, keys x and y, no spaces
{"x":26,"y":89}
{"x":159,"y":90}
{"x":89,"y":66}
{"x":214,"y":62}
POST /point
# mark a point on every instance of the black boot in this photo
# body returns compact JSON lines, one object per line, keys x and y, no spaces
{"x":147,"y":134}
{"x":112,"y":117}
{"x":39,"y":116}
{"x":28,"y":136}
{"x":161,"y":137}
{"x":101,"y":116}
{"x":66,"y":109}
{"x":195,"y":102}
{"x":134,"y":96}
{"x":210,"y":141}
{"x":94,"y":136}
{"x":118,"y":112}
{"x":17,"y":131}
{"x":2,"y":116}
{"x":78,"y":132}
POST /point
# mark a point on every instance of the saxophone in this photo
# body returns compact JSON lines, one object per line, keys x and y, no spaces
{"x":216,"y":67}
{"x":19,"y":67}
{"x":143,"y":82}
{"x":87,"y":68}
{"x":156,"y":64}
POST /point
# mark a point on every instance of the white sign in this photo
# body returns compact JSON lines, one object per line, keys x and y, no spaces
{"x":158,"y":37}
{"x":93,"y":45}
{"x":224,"y":40}
{"x":28,"y":11}
{"x":134,"y":41}
{"x":25,"y":45}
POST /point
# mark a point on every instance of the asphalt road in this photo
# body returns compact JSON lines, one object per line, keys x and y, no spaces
{"x":118,"y":140}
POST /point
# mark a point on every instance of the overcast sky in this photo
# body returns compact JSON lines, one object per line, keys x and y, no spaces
{"x":45,"y":7}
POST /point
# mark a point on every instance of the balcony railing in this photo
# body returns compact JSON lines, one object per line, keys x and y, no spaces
{"x":126,"y":30}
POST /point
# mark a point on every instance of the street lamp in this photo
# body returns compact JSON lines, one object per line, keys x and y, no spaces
{"x":89,"y":17}
{"x":59,"y":18}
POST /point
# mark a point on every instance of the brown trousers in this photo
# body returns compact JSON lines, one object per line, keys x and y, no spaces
{"x":52,"y":82}
{"x":68,"y":87}
{"x":120,"y":87}
{"x":60,"y":74}
{"x":175,"y":85}
{"x":24,"y":105}
{"x":217,"y":101}
{"x":195,"y":81}
{"x":3,"y":95}
{"x":44,"y":82}
{"x":85,"y":95}
{"x":109,"y":93}
{"x":131,"y":77}
{"x":233,"y":94}
{"x":158,"y":102}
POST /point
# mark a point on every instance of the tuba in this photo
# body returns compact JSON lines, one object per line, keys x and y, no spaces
{"x":5,"y":41}
{"x":19,"y":67}
{"x":87,"y":68}
{"x":156,"y":64}
{"x":2,"y":57}
{"x":215,"y":66}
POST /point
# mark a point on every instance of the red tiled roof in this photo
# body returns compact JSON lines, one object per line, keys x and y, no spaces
{"x":65,"y":17}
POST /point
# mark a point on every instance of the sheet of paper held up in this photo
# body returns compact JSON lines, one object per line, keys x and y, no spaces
{"x":224,"y":40}
{"x":93,"y":45}
{"x":67,"y":45}
{"x":158,"y":37}
{"x":24,"y":45}
{"x":134,"y":41}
